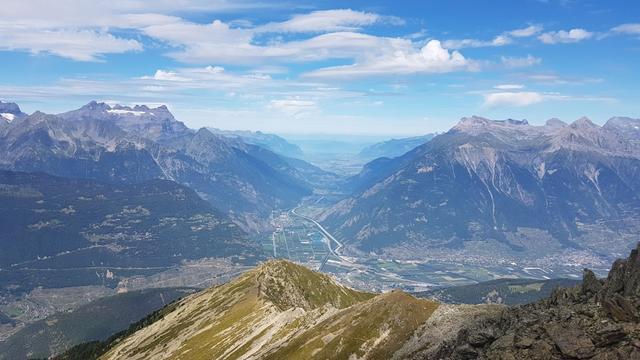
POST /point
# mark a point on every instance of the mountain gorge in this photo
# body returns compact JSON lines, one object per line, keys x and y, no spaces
{"x":500,"y":187}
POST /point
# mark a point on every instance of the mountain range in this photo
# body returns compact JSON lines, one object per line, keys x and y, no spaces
{"x":121,"y":144}
{"x":268,"y":141}
{"x":500,"y":188}
{"x":281,"y":310}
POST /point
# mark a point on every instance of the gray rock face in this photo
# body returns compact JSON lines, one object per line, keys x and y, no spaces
{"x":500,"y":181}
{"x":9,"y":112}
{"x":574,"y":323}
{"x":571,"y":341}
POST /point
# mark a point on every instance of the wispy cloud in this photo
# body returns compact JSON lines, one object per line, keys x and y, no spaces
{"x":503,"y":39}
{"x":520,"y":98}
{"x":526,"y":32}
{"x":631,"y":28}
{"x":80,"y":45}
{"x":329,"y":21}
{"x":295,"y":107}
{"x":509,"y":87}
{"x":563,"y":36}
{"x":518,"y":62}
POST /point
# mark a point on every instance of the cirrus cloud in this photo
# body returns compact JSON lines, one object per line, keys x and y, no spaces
{"x":329,"y":21}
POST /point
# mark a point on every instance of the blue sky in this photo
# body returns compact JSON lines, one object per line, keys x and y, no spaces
{"x":333,"y":67}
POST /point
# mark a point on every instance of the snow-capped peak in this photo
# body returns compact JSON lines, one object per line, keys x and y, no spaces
{"x":8,"y":116}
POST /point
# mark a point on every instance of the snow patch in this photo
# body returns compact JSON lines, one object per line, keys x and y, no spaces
{"x":128,"y":112}
{"x":8,"y":116}
{"x":425,"y":169}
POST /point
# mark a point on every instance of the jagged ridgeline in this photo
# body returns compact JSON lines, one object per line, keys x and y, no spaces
{"x":281,"y":310}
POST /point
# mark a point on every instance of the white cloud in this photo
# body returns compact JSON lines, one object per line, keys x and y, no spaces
{"x":562,"y":36}
{"x":499,"y":40}
{"x":509,"y":87}
{"x":293,"y":107}
{"x":163,"y":75}
{"x":554,"y":79}
{"x":518,"y":62}
{"x":526,"y":32}
{"x":633,"y":29}
{"x":82,"y":30}
{"x":522,"y":98}
{"x":431,"y":58}
{"x":327,"y":21}
{"x":81,"y":45}
{"x":217,"y":42}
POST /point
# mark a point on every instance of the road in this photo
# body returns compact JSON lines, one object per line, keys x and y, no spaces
{"x":325,"y":233}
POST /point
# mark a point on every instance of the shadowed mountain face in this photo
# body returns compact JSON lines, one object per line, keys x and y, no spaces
{"x":59,"y":232}
{"x":133,"y":144}
{"x":526,"y":189}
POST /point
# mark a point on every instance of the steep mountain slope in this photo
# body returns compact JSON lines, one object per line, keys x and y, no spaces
{"x":120,"y":144}
{"x":271,"y":142}
{"x":394,"y":147}
{"x":60,"y":232}
{"x":516,"y":188}
{"x":279,"y":310}
{"x":94,"y":321}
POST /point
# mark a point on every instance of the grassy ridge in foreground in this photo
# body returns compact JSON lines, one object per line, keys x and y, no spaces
{"x":278,"y":310}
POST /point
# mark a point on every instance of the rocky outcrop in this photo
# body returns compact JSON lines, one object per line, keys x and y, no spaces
{"x":596,"y":320}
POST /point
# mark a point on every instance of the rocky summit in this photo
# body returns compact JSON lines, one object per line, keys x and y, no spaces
{"x":281,"y":310}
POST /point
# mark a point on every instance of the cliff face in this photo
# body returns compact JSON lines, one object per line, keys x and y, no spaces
{"x":598,"y":319}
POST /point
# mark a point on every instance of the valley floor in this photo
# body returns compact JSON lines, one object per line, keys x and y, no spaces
{"x":300,"y":238}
